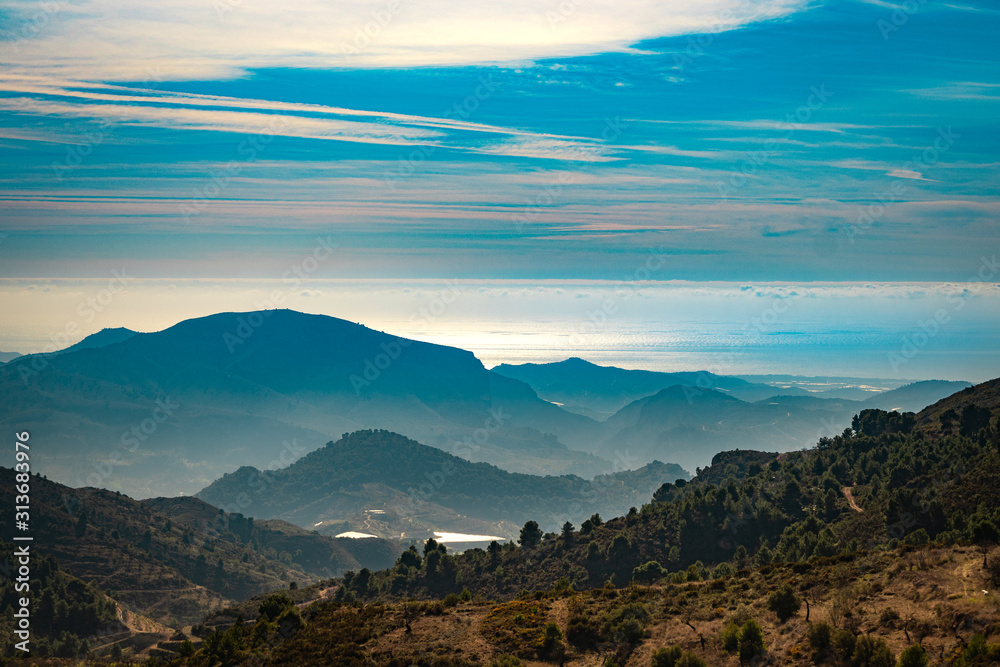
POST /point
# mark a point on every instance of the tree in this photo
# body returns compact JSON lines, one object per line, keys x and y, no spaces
{"x":494,"y":551}
{"x":81,"y":524}
{"x":751,"y":641}
{"x":567,"y":531}
{"x":531,"y":535}
{"x":411,"y":557}
{"x":274,"y":605}
{"x":915,"y":656}
{"x":784,"y":603}
{"x":648,"y":573}
{"x":974,"y":419}
{"x":429,"y":546}
{"x":985,"y":535}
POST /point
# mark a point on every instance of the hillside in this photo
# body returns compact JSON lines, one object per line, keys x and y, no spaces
{"x":877,"y":542}
{"x":916,"y":396}
{"x":165,"y":413}
{"x":336,"y":481}
{"x":949,"y":415}
{"x":172,"y":560}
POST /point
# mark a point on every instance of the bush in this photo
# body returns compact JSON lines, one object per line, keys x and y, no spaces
{"x":843,"y":643}
{"x":451,"y":600}
{"x":731,"y":638}
{"x":820,"y":636}
{"x":274,"y":605}
{"x":751,"y":641}
{"x":784,"y":603}
{"x":915,"y":656}
{"x":648,"y":573}
{"x":675,"y":657}
{"x":872,"y":652}
{"x":582,"y":633}
{"x":626,"y":623}
{"x":667,"y":657}
{"x":506,"y":661}
{"x":551,"y":643}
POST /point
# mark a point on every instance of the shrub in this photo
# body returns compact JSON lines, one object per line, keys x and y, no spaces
{"x":784,"y":602}
{"x":731,"y":638}
{"x":820,"y":636}
{"x":667,"y":657}
{"x":290,"y":622}
{"x":915,"y":656}
{"x":626,"y":623}
{"x":751,"y":641}
{"x":274,"y":605}
{"x":451,"y":600}
{"x":872,"y":652}
{"x":843,"y":643}
{"x":648,"y":573}
{"x":582,"y":633}
{"x":675,"y":657}
{"x":551,"y":642}
{"x":888,"y":618}
{"x":506,"y":660}
{"x":740,"y":616}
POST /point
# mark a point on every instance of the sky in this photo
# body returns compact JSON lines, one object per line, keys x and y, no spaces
{"x":694,"y":163}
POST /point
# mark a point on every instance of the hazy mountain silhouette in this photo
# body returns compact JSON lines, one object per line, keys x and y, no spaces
{"x":334,"y":481}
{"x":600,"y":391}
{"x":167,"y":412}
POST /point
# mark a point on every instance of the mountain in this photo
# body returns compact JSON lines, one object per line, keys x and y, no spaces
{"x":174,"y":559}
{"x":354,"y":474}
{"x":102,"y":338}
{"x":916,"y":396}
{"x":8,"y":356}
{"x":167,"y":412}
{"x":690,"y":425}
{"x":600,"y":391}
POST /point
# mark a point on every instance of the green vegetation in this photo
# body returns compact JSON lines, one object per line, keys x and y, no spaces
{"x":65,"y":611}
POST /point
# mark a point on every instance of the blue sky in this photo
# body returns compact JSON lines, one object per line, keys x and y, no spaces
{"x":778,"y":141}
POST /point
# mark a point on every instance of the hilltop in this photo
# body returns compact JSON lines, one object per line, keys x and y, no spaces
{"x":414,"y":486}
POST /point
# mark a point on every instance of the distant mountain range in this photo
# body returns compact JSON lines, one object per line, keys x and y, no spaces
{"x":8,"y":356}
{"x":688,"y":417}
{"x":158,"y":414}
{"x":168,"y":412}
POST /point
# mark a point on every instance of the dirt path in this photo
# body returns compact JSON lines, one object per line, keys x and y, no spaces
{"x":324,"y":594}
{"x":850,"y":499}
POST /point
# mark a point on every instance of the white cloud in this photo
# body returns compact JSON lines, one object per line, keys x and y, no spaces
{"x":205,"y":39}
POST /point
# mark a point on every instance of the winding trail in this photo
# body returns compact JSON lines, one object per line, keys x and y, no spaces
{"x":850,"y":499}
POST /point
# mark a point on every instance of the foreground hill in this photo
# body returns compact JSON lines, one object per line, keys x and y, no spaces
{"x":167,"y":412}
{"x":172,"y":560}
{"x":337,"y":480}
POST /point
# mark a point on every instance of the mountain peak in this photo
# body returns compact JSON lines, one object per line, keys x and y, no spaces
{"x":103,"y":338}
